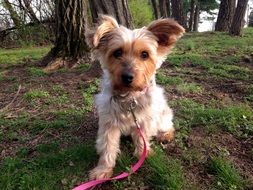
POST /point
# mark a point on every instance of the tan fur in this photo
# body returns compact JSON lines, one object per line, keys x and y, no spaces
{"x":152,"y":111}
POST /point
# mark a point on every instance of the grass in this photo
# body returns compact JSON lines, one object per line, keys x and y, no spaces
{"x":236,"y":119}
{"x":167,"y":80}
{"x":16,"y":56}
{"x":47,"y":136}
{"x":165,"y":172}
{"x":36,"y":72}
{"x":51,"y":168}
{"x":33,"y":95}
{"x":189,"y":88}
{"x":88,"y":94}
{"x":226,"y":175}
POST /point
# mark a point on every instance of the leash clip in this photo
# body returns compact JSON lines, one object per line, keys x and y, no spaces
{"x":133,"y":105}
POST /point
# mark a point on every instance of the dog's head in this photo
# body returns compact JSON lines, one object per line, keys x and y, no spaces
{"x":131,"y":57}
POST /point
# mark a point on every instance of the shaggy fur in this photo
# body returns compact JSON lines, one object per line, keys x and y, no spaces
{"x":139,"y":52}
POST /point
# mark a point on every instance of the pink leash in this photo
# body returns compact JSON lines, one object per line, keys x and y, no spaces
{"x":134,"y":168}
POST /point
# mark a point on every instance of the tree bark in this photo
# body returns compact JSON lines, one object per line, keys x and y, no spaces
{"x":177,"y":11}
{"x":196,"y":18}
{"x":225,"y":16}
{"x":164,"y":6}
{"x":117,"y":8}
{"x":251,"y":19}
{"x":156,"y":9}
{"x":190,"y":28}
{"x":30,"y":11}
{"x":238,"y":19}
{"x":71,"y":20}
{"x":13,"y":14}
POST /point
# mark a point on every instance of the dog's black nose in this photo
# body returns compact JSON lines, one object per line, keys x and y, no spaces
{"x":127,"y":78}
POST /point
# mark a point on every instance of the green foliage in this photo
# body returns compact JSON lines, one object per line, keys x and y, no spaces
{"x":205,"y":5}
{"x":227,"y":177}
{"x":208,"y":5}
{"x":141,"y":11}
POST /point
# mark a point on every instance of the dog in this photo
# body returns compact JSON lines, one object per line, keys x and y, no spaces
{"x":129,"y":60}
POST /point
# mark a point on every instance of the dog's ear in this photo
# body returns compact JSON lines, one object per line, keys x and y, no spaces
{"x":166,"y":31}
{"x":105,"y":26}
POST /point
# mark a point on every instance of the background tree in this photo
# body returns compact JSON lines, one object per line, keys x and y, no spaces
{"x":156,"y":9}
{"x":161,"y":8}
{"x":192,"y":10}
{"x":118,"y":9}
{"x":26,"y":5}
{"x":13,"y":13}
{"x":178,"y":11}
{"x":196,"y":17}
{"x":70,"y":45}
{"x":238,"y":19}
{"x":225,"y":16}
{"x":196,"y":7}
{"x":251,"y":19}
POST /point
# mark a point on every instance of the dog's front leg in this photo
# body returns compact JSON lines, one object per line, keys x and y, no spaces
{"x":139,"y":145}
{"x":108,"y":148}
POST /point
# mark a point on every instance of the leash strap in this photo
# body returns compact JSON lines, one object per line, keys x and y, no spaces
{"x":134,"y":168}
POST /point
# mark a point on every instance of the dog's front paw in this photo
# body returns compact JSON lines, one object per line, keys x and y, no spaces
{"x":166,"y":137}
{"x":101,"y":172}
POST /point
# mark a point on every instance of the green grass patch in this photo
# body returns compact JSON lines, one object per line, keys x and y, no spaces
{"x":16,"y":56}
{"x":36,"y":72}
{"x":230,"y":71}
{"x":83,"y":67}
{"x":88,"y":94}
{"x":62,"y":169}
{"x":237,"y":119}
{"x":164,"y":172}
{"x":249,"y":96}
{"x":227,"y":177}
{"x":168,"y":80}
{"x":36,"y":94}
{"x":158,"y":172}
{"x":185,"y":88}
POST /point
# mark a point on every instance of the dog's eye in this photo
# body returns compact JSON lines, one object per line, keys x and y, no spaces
{"x":117,"y":53}
{"x":144,"y":55}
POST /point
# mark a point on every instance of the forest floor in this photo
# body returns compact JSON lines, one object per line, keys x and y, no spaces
{"x":48,"y":122}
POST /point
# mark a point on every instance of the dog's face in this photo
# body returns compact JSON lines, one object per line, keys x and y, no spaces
{"x":131,"y":57}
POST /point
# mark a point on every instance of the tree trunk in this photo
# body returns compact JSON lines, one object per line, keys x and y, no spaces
{"x":13,"y":14}
{"x":251,"y":19}
{"x":191,"y":15}
{"x":117,"y":8}
{"x":238,"y":19}
{"x":164,"y":7}
{"x":30,"y":11}
{"x":225,"y":16}
{"x":156,"y":9}
{"x":71,"y":20}
{"x":196,"y":18}
{"x":177,"y":11}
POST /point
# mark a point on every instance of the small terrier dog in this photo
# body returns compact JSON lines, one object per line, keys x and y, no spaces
{"x":129,"y":60}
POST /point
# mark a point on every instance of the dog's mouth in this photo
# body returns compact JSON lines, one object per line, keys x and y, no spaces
{"x":129,"y":88}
